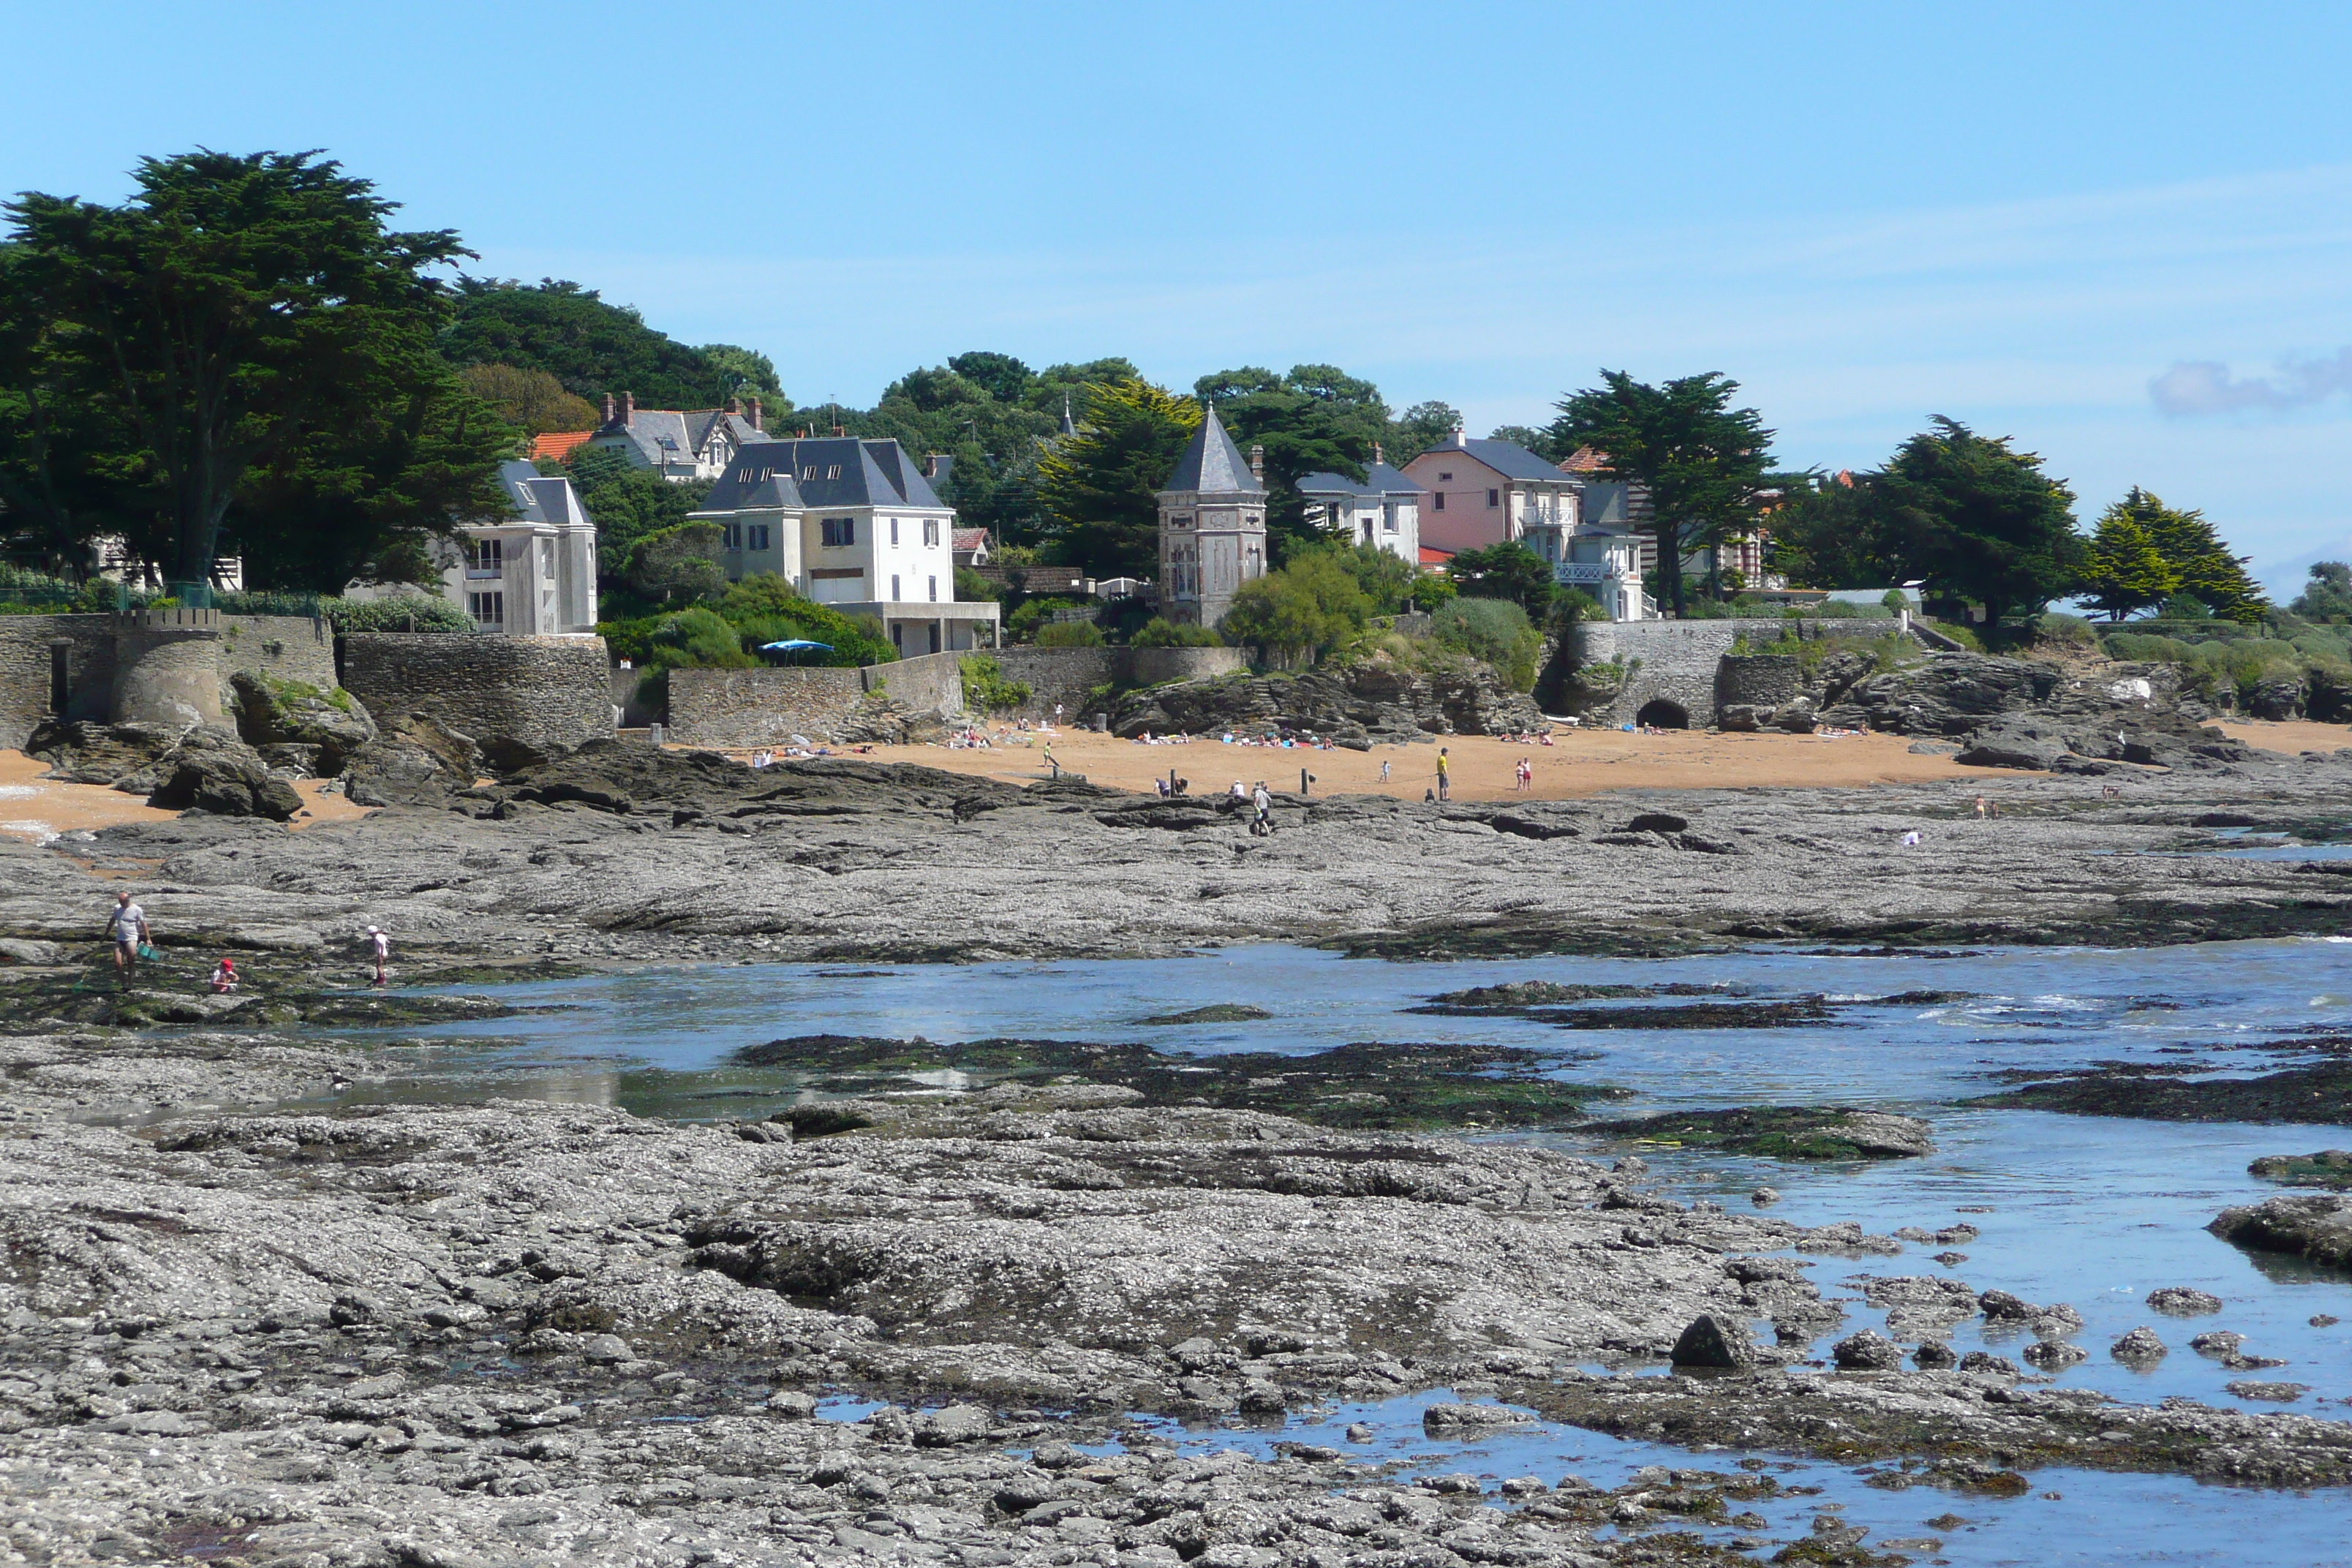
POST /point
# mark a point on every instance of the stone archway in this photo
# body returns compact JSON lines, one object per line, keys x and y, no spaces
{"x":1658,"y":713}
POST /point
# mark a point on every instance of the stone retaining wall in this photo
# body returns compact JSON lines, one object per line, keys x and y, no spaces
{"x":285,"y":647}
{"x":1676,"y":662}
{"x":760,"y":707}
{"x":1760,"y":681}
{"x":516,"y":696}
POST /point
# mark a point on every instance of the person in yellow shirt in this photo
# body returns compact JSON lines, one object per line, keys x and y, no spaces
{"x":1444,"y":777}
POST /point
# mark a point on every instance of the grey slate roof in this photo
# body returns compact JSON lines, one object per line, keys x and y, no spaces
{"x":1212,"y":464}
{"x":825,"y":471}
{"x":1511,"y":462}
{"x":537,"y":498}
{"x":1380,"y":480}
{"x":688,"y":431}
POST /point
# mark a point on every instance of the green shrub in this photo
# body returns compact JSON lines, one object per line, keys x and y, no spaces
{"x":974,"y":589}
{"x":1069,"y":634}
{"x":2059,"y":628}
{"x":1022,"y":624}
{"x":1160,"y":633}
{"x":1314,"y":604}
{"x":1495,"y":630}
{"x":400,"y":613}
{"x":700,"y":639}
{"x":985,"y":688}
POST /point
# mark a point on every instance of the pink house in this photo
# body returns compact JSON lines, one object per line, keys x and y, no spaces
{"x":1484,"y":493}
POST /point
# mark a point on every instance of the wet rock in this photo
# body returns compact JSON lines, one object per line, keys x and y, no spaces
{"x":2324,"y":1319}
{"x":1764,"y":1197}
{"x":1218,"y":1012}
{"x":2315,"y":1227}
{"x":2002,"y":1306}
{"x":1711,"y":1340}
{"x":1990,"y":1364}
{"x":1867,"y":1350}
{"x":956,"y":1424}
{"x":2055,"y":1355}
{"x":2275,"y":1393}
{"x":2181,"y":1301}
{"x":1934,"y":1356}
{"x":2318,"y":1093}
{"x":2326,"y":1168}
{"x":1441,"y":1417}
{"x":1786,"y":1133}
{"x":2219,"y":1343}
{"x":2141,"y":1347}
{"x":21,"y":950}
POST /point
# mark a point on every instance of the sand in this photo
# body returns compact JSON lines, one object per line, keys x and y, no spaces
{"x":37,"y":809}
{"x":1578,"y":762}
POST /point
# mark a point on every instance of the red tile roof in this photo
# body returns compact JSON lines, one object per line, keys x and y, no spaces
{"x":1585,"y":460}
{"x":971,"y":539}
{"x":1430,"y":557}
{"x":558,"y":445}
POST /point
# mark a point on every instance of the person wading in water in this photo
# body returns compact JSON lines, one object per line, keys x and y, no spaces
{"x":128,"y":922}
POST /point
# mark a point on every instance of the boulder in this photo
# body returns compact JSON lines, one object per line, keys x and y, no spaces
{"x":2015,"y":744}
{"x":1868,"y":1351}
{"x":2180,"y":1301}
{"x":27,"y":949}
{"x":271,"y":712}
{"x":1934,"y":1356}
{"x":2055,"y":1355}
{"x":122,"y":755}
{"x":2323,"y":1168}
{"x":1740,"y":718}
{"x":2139,"y":1347}
{"x":211,"y":769}
{"x":2316,"y":1225}
{"x":1797,"y":718}
{"x":2278,"y":699}
{"x":416,"y":761}
{"x":1713,"y":1339}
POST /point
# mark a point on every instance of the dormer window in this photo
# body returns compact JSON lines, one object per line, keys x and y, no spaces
{"x":833,"y":472}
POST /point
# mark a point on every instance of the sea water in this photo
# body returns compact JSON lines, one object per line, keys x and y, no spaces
{"x":2096,"y":1212}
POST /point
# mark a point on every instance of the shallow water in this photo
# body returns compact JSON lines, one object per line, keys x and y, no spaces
{"x":2090,"y":1211}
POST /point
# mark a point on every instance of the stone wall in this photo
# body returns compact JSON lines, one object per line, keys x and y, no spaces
{"x":283,"y":647}
{"x":927,"y":683}
{"x":762,"y":707}
{"x":516,"y":696}
{"x":26,"y":670}
{"x":1760,"y":681}
{"x":1676,"y":661}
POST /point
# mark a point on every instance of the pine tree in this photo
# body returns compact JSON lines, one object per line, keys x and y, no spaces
{"x":2201,"y":563}
{"x":2125,"y":571}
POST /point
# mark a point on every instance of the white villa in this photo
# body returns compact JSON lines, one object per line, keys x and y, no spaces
{"x":854,"y":524}
{"x":530,"y":574}
{"x":1383,"y":509}
{"x":1212,"y":527}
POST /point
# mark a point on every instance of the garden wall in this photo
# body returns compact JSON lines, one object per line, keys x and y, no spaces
{"x":759,"y":707}
{"x":1677,"y":662}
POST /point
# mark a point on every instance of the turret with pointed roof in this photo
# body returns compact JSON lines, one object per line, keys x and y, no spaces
{"x":1212,"y":527}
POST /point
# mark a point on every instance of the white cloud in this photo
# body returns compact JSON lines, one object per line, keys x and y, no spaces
{"x":2193,"y":387}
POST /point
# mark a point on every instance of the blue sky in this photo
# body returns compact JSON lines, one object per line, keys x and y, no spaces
{"x":2119,"y":233}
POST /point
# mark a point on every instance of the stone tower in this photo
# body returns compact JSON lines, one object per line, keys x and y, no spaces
{"x":1211,"y":528}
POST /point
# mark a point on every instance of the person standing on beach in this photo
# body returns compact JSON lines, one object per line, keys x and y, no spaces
{"x":381,"y":946}
{"x":128,"y":924}
{"x":1384,"y":770}
{"x":1445,"y":778}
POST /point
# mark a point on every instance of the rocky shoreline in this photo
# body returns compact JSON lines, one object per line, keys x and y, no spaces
{"x":527,"y":1332}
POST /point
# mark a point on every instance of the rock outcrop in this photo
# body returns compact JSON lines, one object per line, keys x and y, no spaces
{"x":1378,"y":700}
{"x":301,"y":725}
{"x":417,"y":761}
{"x":2317,"y":1226}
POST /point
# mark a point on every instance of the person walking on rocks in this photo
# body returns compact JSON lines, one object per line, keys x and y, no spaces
{"x":1444,"y":775}
{"x":1263,"y":824}
{"x":128,"y":924}
{"x":380,"y":945}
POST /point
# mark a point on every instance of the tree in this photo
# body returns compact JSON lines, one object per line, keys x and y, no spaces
{"x":1527,"y":436}
{"x":1977,"y":519}
{"x":1389,"y":581}
{"x":363,"y":498}
{"x":1001,"y":376}
{"x":747,"y":373}
{"x":1825,"y":533}
{"x":1313,"y":604}
{"x":2123,"y":571}
{"x":234,"y":305}
{"x":2194,"y":555}
{"x":1507,"y":571}
{"x":588,"y":345}
{"x":530,"y":400}
{"x":1704,"y":462}
{"x":2327,"y":596}
{"x":626,"y":504}
{"x":1419,"y":428}
{"x":1100,"y":486}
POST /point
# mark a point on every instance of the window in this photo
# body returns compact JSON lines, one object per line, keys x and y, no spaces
{"x":1494,"y":498}
{"x":895,"y":594}
{"x":1388,"y":519}
{"x":894,"y":531}
{"x":931,"y":532}
{"x":759,"y":531}
{"x":1437,"y":500}
{"x":839,"y":531}
{"x":485,"y":555}
{"x":833,"y":472}
{"x":809,"y":472}
{"x":1180,"y":519}
{"x":731,"y":536}
{"x":1445,"y":479}
{"x":488,"y":609}
{"x":935,"y":590}
{"x":899,"y":636}
{"x":934,"y":630}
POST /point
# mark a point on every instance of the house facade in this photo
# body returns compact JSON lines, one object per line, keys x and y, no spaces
{"x":1484,"y":493}
{"x":1382,"y":509}
{"x":531,"y":574}
{"x":1212,"y":527}
{"x":854,"y":524}
{"x":685,"y":446}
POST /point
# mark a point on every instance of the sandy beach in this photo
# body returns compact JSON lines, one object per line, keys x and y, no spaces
{"x":37,"y":809}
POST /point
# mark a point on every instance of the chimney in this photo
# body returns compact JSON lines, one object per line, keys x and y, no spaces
{"x":608,"y":408}
{"x":755,"y":415}
{"x":1376,"y":453}
{"x":628,"y":406}
{"x":1459,"y":438}
{"x":838,"y":432}
{"x":1257,"y":462}
{"x":734,"y":406}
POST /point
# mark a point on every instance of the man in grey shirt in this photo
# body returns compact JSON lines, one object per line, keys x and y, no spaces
{"x":129,"y":926}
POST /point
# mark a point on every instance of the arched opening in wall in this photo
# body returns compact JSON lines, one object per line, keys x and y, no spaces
{"x":1660,"y":714}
